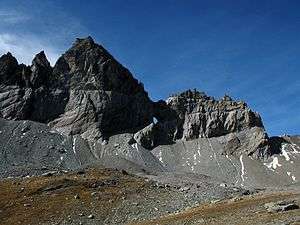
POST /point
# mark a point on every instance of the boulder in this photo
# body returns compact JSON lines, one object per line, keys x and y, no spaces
{"x":280,"y":206}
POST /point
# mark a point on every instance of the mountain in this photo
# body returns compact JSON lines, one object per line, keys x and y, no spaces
{"x":82,"y":143}
{"x":89,"y":110}
{"x":87,"y":92}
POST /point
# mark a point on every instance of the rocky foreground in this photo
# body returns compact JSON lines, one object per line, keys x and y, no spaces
{"x":105,"y":196}
{"x":81,"y":142}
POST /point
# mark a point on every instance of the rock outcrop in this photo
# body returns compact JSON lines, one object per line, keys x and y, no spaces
{"x":192,"y":114}
{"x":202,"y":116}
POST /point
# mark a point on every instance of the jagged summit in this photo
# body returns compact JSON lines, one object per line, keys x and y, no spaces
{"x":87,"y":42}
{"x":87,"y":65}
{"x":91,"y":110}
{"x":87,"y":92}
{"x":41,"y":59}
{"x":91,"y":94}
{"x":193,"y":94}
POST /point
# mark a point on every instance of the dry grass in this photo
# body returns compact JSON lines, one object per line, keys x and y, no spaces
{"x":40,"y":199}
{"x":242,"y":212}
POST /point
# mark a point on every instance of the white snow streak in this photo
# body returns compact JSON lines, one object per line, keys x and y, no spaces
{"x":243,"y":169}
{"x":160,"y":156}
{"x":74,"y":149}
{"x":215,"y":156}
{"x":284,"y":153}
{"x":198,"y":150}
{"x":74,"y":145}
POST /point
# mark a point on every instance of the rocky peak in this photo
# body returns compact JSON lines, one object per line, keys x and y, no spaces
{"x":87,"y":92}
{"x":103,"y":97}
{"x":8,"y":59}
{"x":8,"y":68}
{"x":204,"y":116}
{"x":192,"y":114}
{"x":91,"y":94}
{"x":41,"y":60}
{"x":41,"y":71}
{"x":85,"y":43}
{"x":87,"y":65}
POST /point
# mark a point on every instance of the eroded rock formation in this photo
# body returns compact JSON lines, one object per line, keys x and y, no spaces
{"x":89,"y":93}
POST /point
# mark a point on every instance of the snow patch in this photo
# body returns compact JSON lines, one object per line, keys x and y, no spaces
{"x":274,"y":164}
{"x":195,"y":157}
{"x":135,"y":146}
{"x":104,"y":142}
{"x":160,"y":156}
{"x":53,"y":131}
{"x":284,"y":153}
{"x":198,"y":150}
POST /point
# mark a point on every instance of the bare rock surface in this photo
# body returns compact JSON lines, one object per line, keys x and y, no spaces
{"x":87,"y":92}
{"x":89,"y":110}
{"x":281,"y":206}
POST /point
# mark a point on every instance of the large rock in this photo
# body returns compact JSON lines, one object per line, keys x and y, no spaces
{"x":274,"y":207}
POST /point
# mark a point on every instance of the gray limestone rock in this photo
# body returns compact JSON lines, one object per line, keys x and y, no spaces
{"x":280,"y":206}
{"x":89,"y":109}
{"x":87,"y":92}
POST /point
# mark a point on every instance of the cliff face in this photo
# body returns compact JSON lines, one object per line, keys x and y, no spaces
{"x":192,"y":114}
{"x":89,"y":93}
{"x":198,"y":115}
{"x":103,"y":96}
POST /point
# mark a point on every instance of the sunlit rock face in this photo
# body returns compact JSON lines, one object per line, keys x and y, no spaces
{"x":192,"y":114}
{"x":202,"y":116}
{"x":87,"y":92}
{"x":88,"y":109}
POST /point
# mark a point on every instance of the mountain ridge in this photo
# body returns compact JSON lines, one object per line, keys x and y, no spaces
{"x":88,"y":75}
{"x":94,"y":111}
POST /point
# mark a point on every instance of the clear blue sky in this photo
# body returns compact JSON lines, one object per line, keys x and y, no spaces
{"x":248,"y":49}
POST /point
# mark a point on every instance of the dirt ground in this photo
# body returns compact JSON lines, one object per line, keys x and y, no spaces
{"x":105,"y":196}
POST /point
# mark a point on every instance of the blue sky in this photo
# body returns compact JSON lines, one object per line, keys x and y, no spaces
{"x":247,"y":49}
